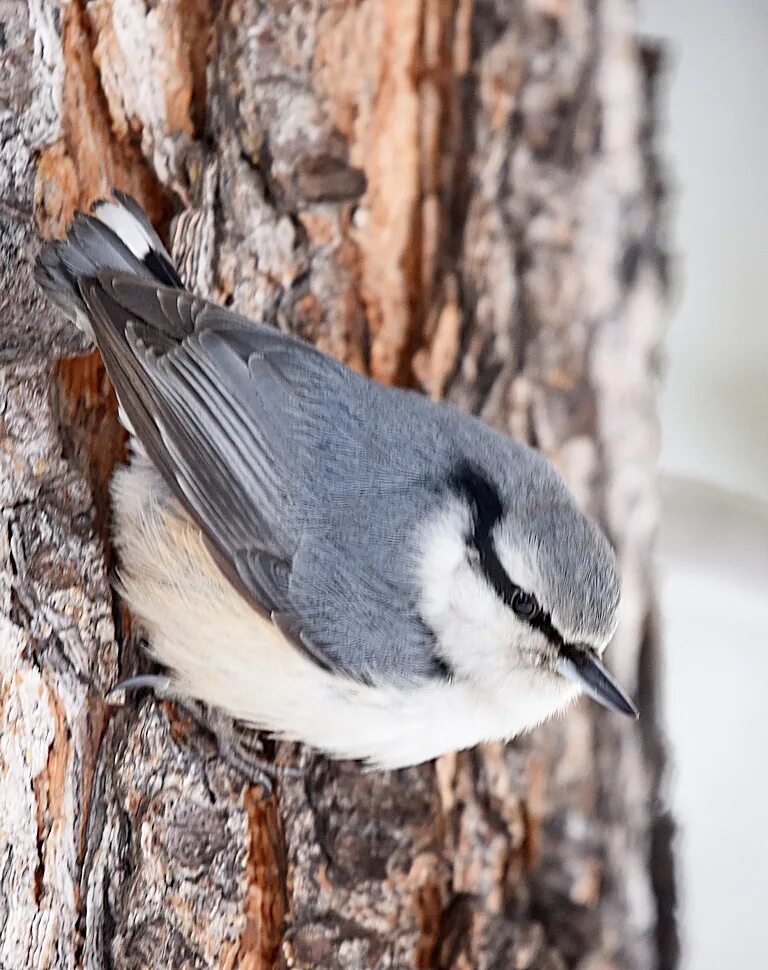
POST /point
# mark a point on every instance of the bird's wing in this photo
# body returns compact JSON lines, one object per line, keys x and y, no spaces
{"x":236,"y":418}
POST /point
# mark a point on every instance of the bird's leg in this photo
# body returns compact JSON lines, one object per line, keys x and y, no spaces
{"x":239,"y":745}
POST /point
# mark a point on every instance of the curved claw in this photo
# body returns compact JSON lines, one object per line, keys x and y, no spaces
{"x":157,"y":682}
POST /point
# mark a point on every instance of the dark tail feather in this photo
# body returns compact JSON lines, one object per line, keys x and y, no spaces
{"x":117,"y":236}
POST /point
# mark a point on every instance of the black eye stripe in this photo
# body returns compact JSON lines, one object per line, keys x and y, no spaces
{"x":486,"y":512}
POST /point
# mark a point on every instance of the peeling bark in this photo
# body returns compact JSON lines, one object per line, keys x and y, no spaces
{"x":458,"y":195}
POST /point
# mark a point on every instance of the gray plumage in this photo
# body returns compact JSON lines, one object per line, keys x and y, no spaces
{"x":311,"y":483}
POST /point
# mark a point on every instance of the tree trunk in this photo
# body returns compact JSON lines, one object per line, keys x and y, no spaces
{"x":459,"y":195}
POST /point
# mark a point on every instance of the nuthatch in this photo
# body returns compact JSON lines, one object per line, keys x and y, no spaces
{"x":334,"y":561}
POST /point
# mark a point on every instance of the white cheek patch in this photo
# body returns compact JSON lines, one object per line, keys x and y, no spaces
{"x":444,"y":555}
{"x":474,"y":627}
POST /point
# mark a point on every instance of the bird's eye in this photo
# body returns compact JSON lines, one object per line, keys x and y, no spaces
{"x":525,"y":605}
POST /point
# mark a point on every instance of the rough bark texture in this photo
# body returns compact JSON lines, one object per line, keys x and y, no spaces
{"x":455,"y":194}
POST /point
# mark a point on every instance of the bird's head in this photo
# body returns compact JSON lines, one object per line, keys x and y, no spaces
{"x":521,"y":588}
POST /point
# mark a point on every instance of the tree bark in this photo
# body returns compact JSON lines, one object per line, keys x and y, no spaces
{"x":457,"y":195}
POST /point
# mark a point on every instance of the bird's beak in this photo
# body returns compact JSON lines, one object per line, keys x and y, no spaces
{"x":582,"y":666}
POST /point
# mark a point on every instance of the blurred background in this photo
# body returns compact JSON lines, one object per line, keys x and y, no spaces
{"x":714,"y":462}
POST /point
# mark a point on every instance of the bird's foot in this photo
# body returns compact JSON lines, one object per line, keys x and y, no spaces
{"x":239,"y":745}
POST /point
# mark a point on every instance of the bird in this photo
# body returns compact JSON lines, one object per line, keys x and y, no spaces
{"x":337,"y":562}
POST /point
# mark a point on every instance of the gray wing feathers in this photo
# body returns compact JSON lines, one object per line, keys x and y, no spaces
{"x":235,"y":494}
{"x":263,"y":441}
{"x":283,"y":457}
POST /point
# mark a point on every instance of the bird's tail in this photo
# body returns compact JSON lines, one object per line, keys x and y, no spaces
{"x":117,"y":235}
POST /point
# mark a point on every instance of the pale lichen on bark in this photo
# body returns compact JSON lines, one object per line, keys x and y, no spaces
{"x":455,"y":195}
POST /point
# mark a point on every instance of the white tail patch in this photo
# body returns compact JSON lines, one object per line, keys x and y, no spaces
{"x":125,"y":226}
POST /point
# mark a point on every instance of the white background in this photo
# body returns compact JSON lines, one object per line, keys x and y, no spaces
{"x":714,"y":424}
